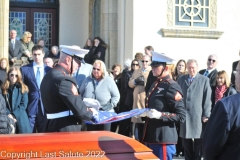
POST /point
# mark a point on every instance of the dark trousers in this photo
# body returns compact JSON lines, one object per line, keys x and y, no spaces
{"x":99,"y":127}
{"x":192,"y":149}
{"x":139,"y":134}
{"x":125,"y":127}
{"x":38,"y":122}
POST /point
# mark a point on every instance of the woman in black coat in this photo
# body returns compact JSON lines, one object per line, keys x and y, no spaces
{"x":98,"y":50}
{"x":222,"y":88}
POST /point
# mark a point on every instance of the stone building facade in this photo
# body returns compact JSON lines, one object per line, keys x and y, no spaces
{"x":174,"y":27}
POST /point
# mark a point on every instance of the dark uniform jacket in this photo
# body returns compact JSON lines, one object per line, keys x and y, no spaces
{"x":165,"y":95}
{"x":221,"y":136}
{"x":59,"y":93}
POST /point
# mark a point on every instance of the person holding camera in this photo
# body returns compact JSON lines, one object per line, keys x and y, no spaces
{"x":138,"y":82}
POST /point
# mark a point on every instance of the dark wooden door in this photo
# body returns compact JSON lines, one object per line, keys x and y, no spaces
{"x":40,"y":22}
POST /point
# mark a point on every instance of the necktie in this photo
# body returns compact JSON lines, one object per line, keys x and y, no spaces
{"x":13,"y":44}
{"x":206,"y":73}
{"x":190,"y":80}
{"x":38,"y":77}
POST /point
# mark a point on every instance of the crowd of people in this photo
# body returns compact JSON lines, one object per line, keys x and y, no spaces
{"x":46,"y":94}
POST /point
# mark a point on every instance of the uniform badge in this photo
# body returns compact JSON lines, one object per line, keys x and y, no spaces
{"x":74,"y":90}
{"x":159,"y":89}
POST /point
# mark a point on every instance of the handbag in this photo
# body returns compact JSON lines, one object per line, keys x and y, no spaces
{"x":12,"y":123}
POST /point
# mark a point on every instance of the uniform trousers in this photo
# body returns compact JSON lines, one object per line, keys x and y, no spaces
{"x":163,"y":151}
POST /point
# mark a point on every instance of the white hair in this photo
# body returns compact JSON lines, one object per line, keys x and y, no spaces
{"x":127,"y":63}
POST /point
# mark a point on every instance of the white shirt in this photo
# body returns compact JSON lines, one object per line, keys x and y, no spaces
{"x":41,"y":69}
{"x":209,"y":71}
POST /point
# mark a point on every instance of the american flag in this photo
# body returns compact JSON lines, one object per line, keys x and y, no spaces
{"x":105,"y":117}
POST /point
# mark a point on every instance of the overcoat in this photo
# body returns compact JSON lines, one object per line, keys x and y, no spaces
{"x":197,"y":101}
{"x":18,"y":104}
{"x":139,"y":93}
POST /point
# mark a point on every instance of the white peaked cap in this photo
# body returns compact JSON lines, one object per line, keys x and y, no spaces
{"x":160,"y":58}
{"x":74,"y":50}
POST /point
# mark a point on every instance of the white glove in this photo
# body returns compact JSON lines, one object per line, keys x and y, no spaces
{"x":89,"y":102}
{"x":95,"y":112}
{"x":153,"y":113}
{"x":95,"y":117}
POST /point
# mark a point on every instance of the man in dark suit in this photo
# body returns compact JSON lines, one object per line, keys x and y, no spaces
{"x":221,"y":136}
{"x":15,"y":48}
{"x":234,"y":65}
{"x":211,"y":71}
{"x":32,"y":75}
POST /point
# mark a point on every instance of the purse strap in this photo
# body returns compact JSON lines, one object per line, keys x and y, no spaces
{"x":94,"y":87}
{"x":8,"y":104}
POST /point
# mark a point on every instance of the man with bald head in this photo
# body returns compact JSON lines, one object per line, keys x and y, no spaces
{"x":211,"y":71}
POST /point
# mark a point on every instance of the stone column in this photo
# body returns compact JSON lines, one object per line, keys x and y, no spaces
{"x":109,"y":30}
{"x":4,"y":25}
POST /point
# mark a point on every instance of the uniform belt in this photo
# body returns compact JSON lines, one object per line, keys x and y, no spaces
{"x":59,"y":114}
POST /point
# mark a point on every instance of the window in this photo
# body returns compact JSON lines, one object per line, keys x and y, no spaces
{"x":192,"y":13}
{"x":37,"y":1}
{"x":192,"y":19}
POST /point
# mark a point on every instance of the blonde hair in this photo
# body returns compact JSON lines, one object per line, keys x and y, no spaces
{"x":25,"y":36}
{"x":7,"y":66}
{"x":102,"y":68}
{"x":225,"y":76}
{"x":6,"y":84}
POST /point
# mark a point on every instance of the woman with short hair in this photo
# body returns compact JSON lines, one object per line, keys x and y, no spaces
{"x":101,"y":87}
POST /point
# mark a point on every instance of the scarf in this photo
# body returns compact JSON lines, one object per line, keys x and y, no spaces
{"x":220,"y":90}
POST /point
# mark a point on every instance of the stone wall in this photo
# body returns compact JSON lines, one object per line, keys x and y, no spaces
{"x":4,"y":25}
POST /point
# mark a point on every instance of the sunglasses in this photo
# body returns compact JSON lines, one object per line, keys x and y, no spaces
{"x":12,"y":75}
{"x":211,"y":60}
{"x":144,"y":61}
{"x":96,"y":69}
{"x":134,"y":64}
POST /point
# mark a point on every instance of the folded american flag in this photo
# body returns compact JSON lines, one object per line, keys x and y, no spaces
{"x":109,"y":117}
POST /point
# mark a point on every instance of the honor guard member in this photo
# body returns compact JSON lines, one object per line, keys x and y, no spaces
{"x":164,"y":98}
{"x":63,"y":104}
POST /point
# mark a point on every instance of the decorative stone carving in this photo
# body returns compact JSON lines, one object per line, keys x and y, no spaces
{"x":191,"y":33}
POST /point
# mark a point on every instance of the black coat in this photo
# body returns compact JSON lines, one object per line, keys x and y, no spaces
{"x":51,"y":55}
{"x":5,"y":121}
{"x":3,"y":76}
{"x":212,"y":76}
{"x":234,"y":66}
{"x":228,"y":92}
{"x":221,"y":136}
{"x":165,"y":95}
{"x":59,"y":93}
{"x":97,"y":53}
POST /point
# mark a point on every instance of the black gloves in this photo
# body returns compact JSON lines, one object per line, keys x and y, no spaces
{"x":139,"y":81}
